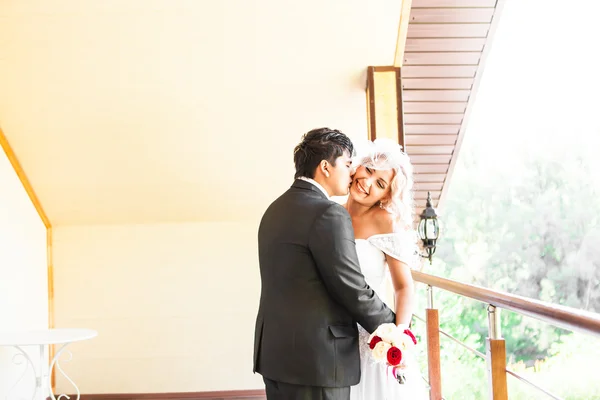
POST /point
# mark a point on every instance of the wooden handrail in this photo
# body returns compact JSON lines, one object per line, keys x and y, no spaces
{"x":561,"y":316}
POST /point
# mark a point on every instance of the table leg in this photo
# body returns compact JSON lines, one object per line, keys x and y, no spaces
{"x":18,"y":359}
{"x":55,"y":361}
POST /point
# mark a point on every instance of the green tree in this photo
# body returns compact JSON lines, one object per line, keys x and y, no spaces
{"x":524,"y":222}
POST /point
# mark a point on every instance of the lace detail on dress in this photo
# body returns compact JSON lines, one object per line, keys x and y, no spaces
{"x":400,"y":245}
{"x":365,"y":350}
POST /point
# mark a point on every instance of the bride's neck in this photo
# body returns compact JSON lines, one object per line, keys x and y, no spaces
{"x":355,"y":209}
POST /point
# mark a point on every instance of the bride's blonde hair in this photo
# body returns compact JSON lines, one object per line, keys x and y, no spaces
{"x":385,"y":154}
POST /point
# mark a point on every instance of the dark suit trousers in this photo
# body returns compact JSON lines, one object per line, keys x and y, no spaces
{"x":286,"y":391}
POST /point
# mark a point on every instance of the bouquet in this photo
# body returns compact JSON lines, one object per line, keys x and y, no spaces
{"x":393,"y":345}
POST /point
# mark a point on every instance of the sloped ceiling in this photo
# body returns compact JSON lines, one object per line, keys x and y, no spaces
{"x":143,"y":111}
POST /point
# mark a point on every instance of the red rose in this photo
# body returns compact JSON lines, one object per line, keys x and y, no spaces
{"x":409,"y":333}
{"x":374,"y":341}
{"x":394,"y":356}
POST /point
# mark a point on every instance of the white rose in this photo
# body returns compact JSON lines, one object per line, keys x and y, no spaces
{"x":380,"y":351}
{"x":400,"y":340}
{"x":387,"y":332}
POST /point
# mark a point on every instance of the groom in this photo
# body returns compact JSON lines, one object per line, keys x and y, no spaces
{"x":313,"y":292}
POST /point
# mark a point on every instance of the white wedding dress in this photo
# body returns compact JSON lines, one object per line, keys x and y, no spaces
{"x":376,"y":381}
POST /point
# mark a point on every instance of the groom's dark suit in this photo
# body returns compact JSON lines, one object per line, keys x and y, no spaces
{"x":313,"y":294}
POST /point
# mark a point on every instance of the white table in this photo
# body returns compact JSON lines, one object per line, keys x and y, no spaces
{"x":43,"y":339}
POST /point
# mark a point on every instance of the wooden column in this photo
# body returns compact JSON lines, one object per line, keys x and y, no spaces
{"x":433,"y":354}
{"x":496,"y":365}
{"x":496,"y":356}
{"x":385,"y":111}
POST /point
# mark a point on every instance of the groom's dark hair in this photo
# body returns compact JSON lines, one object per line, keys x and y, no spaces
{"x":317,"y":145}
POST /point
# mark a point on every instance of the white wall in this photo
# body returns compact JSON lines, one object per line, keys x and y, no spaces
{"x":174,"y":305}
{"x":23,"y":275}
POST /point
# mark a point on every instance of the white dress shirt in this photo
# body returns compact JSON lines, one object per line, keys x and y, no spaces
{"x":317,"y":184}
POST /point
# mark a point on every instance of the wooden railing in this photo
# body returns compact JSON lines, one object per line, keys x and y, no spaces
{"x":560,"y":316}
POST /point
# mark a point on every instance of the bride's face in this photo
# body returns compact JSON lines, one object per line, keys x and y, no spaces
{"x":370,"y":186}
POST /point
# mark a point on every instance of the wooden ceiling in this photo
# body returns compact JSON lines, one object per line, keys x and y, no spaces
{"x":446,"y":46}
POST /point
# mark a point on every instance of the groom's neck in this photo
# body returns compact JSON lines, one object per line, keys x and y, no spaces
{"x":321,"y":180}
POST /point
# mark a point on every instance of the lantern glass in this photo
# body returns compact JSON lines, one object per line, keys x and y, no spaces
{"x":428,"y":228}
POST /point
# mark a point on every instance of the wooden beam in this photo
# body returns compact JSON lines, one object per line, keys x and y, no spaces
{"x":402,"y":32}
{"x":371,"y":103}
{"x":12,"y":158}
{"x":50,"y":265}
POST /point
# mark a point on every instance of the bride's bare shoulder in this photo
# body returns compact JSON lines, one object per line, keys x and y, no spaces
{"x":383,"y":221}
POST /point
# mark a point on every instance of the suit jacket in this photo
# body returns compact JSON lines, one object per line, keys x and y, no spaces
{"x":313,"y":293}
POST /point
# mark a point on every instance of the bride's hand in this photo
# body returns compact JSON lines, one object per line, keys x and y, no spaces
{"x":402,"y":326}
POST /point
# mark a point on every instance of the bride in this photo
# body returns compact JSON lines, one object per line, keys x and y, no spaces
{"x":381,"y":206}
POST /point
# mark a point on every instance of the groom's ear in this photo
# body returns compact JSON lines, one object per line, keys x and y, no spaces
{"x":324,"y":167}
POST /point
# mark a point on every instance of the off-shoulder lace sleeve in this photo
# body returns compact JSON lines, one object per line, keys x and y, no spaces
{"x":400,"y":245}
